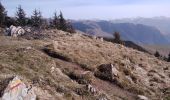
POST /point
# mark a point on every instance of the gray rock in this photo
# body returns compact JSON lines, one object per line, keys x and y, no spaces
{"x":91,"y":89}
{"x":141,"y":97}
{"x":17,"y":90}
{"x":107,"y":72}
{"x":14,"y":31}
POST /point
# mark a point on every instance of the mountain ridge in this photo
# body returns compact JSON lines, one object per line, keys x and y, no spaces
{"x":138,"y":33}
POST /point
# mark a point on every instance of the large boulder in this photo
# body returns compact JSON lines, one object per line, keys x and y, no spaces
{"x":107,"y":72}
{"x":17,"y":90}
{"x":14,"y":31}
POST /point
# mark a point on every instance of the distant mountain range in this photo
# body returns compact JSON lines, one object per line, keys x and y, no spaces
{"x":138,"y":33}
{"x":161,"y":23}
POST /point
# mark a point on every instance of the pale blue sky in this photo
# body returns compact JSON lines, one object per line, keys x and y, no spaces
{"x":93,"y":9}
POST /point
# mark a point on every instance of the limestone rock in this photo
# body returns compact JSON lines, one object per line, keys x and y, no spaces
{"x":14,"y":31}
{"x":17,"y":90}
{"x":107,"y":72}
{"x":91,"y":89}
{"x":141,"y":97}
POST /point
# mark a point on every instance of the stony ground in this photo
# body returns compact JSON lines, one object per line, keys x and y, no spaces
{"x":59,"y":65}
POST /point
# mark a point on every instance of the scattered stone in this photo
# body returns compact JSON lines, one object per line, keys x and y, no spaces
{"x":94,"y":37}
{"x":28,"y":29}
{"x":129,"y":79}
{"x":91,"y":89}
{"x":101,"y":39}
{"x":52,"y":69}
{"x":141,"y":97}
{"x":28,"y":48}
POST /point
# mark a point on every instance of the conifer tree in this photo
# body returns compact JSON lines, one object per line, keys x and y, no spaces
{"x":21,"y":16}
{"x":157,"y":54}
{"x":62,"y":22}
{"x":36,"y":19}
{"x":55,"y":21}
{"x":2,"y":15}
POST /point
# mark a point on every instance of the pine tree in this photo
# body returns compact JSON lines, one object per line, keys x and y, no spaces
{"x":62,"y":22}
{"x":9,"y":21}
{"x":157,"y":54}
{"x":21,"y":16}
{"x":36,"y":19}
{"x":55,"y":21}
{"x":3,"y":15}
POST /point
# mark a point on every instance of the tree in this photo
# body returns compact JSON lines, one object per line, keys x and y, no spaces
{"x":62,"y":22}
{"x":55,"y":21}
{"x":9,"y":21}
{"x":117,"y":38}
{"x":157,"y":54}
{"x":3,"y":15}
{"x":36,"y":19}
{"x":70,"y":28}
{"x":168,"y":58}
{"x":21,"y":16}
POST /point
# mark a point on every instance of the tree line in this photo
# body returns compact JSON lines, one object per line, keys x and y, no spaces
{"x":36,"y":20}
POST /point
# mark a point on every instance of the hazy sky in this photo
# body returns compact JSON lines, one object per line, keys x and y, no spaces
{"x":93,"y":9}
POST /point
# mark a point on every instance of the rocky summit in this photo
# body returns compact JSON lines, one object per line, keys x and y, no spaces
{"x":56,"y":65}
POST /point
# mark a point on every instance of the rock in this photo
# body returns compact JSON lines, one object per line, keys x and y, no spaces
{"x":28,"y":48}
{"x":101,"y":39}
{"x":114,"y":70}
{"x":129,"y":79}
{"x":94,"y":37}
{"x":14,"y":31}
{"x":17,"y":90}
{"x":52,"y":69}
{"x":141,"y":97}
{"x":107,"y":72}
{"x":20,"y":31}
{"x":91,"y":89}
{"x":28,"y":29}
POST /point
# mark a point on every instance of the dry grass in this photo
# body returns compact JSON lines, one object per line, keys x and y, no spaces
{"x":73,"y":54}
{"x":91,"y":53}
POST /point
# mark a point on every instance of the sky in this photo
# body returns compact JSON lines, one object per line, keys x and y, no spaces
{"x":92,"y":9}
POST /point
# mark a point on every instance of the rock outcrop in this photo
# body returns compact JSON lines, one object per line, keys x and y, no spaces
{"x":17,"y":90}
{"x":14,"y":31}
{"x":107,"y":72}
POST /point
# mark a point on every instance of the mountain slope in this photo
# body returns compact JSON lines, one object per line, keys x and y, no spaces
{"x":139,"y":33}
{"x":161,"y":23}
{"x":61,"y":65}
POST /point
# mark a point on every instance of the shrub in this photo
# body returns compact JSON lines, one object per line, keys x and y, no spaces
{"x":157,"y":54}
